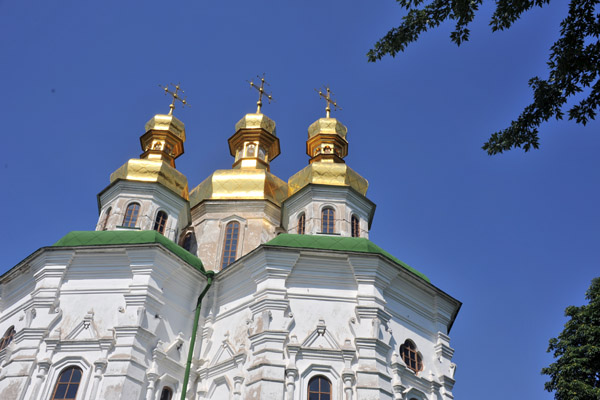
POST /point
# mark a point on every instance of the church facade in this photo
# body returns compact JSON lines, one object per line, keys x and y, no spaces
{"x":245,"y":287}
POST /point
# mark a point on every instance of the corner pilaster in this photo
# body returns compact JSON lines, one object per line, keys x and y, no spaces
{"x":269,"y":327}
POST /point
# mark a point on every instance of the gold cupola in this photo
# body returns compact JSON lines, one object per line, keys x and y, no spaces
{"x":327,"y":141}
{"x":161,"y":145}
{"x":253,"y":145}
{"x":163,"y":139}
{"x":327,"y":146}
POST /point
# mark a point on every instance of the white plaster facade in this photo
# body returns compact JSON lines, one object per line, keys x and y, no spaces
{"x":278,"y":317}
{"x":152,"y":198}
{"x":312,"y":199}
{"x":259,"y":222}
{"x":114,"y":312}
{"x":275,"y":318}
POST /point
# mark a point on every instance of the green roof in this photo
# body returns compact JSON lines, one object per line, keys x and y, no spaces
{"x":113,"y":238}
{"x":338,"y":243}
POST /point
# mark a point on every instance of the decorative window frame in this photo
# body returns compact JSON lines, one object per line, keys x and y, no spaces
{"x":336,"y":219}
{"x":414,"y":394}
{"x":242,"y":235}
{"x":218,"y":382}
{"x":57,"y":367}
{"x":169,"y":381}
{"x":337,"y":386}
{"x":162,"y":389}
{"x":417,"y":352}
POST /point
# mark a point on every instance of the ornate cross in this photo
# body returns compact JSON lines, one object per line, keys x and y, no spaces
{"x":261,"y":91}
{"x":329,"y":101}
{"x":175,"y":95}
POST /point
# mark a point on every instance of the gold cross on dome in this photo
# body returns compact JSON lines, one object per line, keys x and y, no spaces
{"x":329,"y":101}
{"x":175,"y":95}
{"x":261,"y":91}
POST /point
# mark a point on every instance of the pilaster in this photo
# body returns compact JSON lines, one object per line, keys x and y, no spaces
{"x":270,"y":323}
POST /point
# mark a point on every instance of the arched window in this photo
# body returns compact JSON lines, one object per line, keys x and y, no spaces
{"x":187,"y":241}
{"x":327,"y":220}
{"x":301,"y":224}
{"x":160,"y":222}
{"x":355,"y":226}
{"x":106,"y":216}
{"x":166,"y":394}
{"x":67,"y":384}
{"x":319,"y":388}
{"x":411,"y":357}
{"x":131,"y":215}
{"x":8,"y":337}
{"x":232,"y":232}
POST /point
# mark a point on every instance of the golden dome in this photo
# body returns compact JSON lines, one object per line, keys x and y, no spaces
{"x":163,"y":139}
{"x":327,"y":141}
{"x":327,"y":146}
{"x":329,"y":126}
{"x":162,"y":144}
{"x":327,"y":173}
{"x":256,"y":121}
{"x":158,"y":171}
{"x":240,"y":184}
{"x":254,"y":144}
{"x":162,"y":122}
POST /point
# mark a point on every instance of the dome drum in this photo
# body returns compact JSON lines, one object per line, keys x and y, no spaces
{"x":161,"y":145}
{"x":329,"y":147}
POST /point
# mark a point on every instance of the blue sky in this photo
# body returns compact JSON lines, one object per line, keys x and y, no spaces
{"x":515,"y":237}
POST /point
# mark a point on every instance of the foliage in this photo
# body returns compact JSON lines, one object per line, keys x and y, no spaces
{"x":576,"y":373}
{"x":574,"y":62}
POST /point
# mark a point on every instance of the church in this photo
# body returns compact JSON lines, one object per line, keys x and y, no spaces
{"x":247,"y":286}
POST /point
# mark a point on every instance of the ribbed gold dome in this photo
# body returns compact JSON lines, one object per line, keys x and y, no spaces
{"x":240,"y":184}
{"x":162,"y":122}
{"x":256,"y":121}
{"x":158,"y":171}
{"x":253,"y":145}
{"x":327,"y":126}
{"x":327,"y":173}
{"x":327,"y":146}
